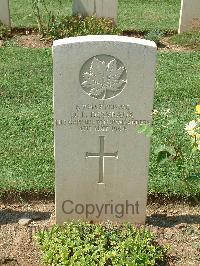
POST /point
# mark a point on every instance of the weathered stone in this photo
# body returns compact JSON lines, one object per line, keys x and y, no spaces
{"x":4,"y":12}
{"x":98,"y":8}
{"x":24,"y":221}
{"x":103,"y":90}
{"x":181,"y":226}
{"x":189,"y":16}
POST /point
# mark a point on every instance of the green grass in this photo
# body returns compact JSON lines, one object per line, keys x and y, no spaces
{"x":26,"y":147}
{"x":189,"y":40}
{"x":142,"y":15}
{"x":26,"y":125}
{"x":22,"y":11}
{"x":146,"y":15}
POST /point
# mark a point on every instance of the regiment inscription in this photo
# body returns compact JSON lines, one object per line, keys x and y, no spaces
{"x":101,"y":117}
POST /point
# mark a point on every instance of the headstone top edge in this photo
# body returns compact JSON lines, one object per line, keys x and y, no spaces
{"x":102,"y":38}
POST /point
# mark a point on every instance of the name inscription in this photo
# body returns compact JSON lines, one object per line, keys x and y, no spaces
{"x":101,"y":117}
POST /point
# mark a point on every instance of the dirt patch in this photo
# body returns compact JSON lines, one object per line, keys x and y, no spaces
{"x":176,"y":225}
{"x":31,"y":39}
{"x":18,"y":245}
{"x":166,"y":45}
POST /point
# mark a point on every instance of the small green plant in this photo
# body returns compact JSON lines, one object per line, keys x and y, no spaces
{"x":155,"y":36}
{"x":172,"y":150}
{"x":37,"y":5}
{"x":71,"y":26}
{"x":52,"y":25}
{"x":193,"y":130}
{"x":99,"y":244}
{"x":5,"y":32}
{"x":39,"y":8}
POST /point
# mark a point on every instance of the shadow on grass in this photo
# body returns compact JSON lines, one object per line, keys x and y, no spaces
{"x":162,"y":220}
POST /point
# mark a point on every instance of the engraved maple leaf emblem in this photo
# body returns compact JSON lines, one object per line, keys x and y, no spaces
{"x":103,"y":78}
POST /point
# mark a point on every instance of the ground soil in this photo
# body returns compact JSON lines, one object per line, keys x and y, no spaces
{"x":31,"y":39}
{"x":175,"y":225}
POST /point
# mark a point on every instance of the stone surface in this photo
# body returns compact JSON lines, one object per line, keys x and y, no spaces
{"x":99,"y":8}
{"x":103,"y":88}
{"x":24,"y":221}
{"x":4,"y":12}
{"x":189,"y":16}
{"x":181,"y":226}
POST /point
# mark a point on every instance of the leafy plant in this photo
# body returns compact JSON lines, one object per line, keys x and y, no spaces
{"x":145,"y":129}
{"x":154,"y":35}
{"x":36,"y":4}
{"x":99,"y":244}
{"x":53,"y":25}
{"x":5,"y":32}
{"x":172,"y":150}
{"x":71,"y":26}
{"x":40,"y":6}
{"x":193,"y":130}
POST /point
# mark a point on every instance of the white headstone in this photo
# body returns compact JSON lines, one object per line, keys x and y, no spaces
{"x":189,"y":16}
{"x":98,"y":8}
{"x":103,"y":88}
{"x":4,"y":12}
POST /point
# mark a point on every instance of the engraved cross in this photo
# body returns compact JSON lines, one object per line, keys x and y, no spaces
{"x":101,"y":155}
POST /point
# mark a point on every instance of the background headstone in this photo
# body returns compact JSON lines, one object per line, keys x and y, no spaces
{"x":4,"y":12}
{"x":98,"y":8}
{"x":103,"y":88}
{"x":189,"y":16}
